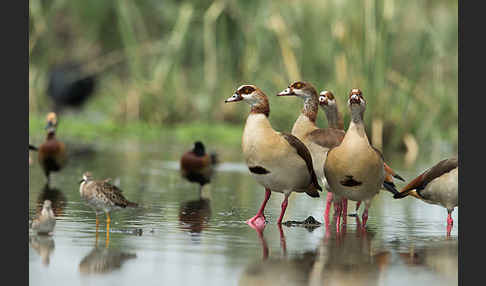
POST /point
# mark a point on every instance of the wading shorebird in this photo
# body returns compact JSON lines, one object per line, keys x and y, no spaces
{"x":197,"y":166}
{"x":355,"y":170}
{"x":438,"y":185}
{"x":102,"y":197}
{"x":280,"y":162}
{"x":52,"y":153}
{"x":46,"y":221}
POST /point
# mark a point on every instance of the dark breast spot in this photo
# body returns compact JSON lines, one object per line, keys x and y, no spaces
{"x":350,"y":182}
{"x":258,"y":170}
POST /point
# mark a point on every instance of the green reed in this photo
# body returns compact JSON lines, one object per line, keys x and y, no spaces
{"x":164,"y":63}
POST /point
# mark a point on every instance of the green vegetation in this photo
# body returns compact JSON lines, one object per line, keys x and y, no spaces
{"x":170,"y":64}
{"x":90,"y":131}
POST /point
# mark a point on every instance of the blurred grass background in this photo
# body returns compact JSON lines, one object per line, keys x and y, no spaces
{"x":169,"y":65}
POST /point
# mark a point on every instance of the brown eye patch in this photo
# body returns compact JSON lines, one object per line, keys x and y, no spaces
{"x":298,"y":85}
{"x":355,"y":91}
{"x":245,"y":89}
{"x":249,"y":89}
{"x":330,"y":95}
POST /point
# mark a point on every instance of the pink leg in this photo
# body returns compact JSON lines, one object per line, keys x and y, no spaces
{"x":328,"y":207}
{"x":358,"y":223}
{"x":365,"y":216}
{"x":449,"y":218}
{"x":284,"y":207}
{"x":283,"y":243}
{"x":337,"y":214}
{"x":259,"y":219}
{"x":262,"y":241}
{"x":357,"y":206}
{"x":450,"y":222}
{"x":449,"y":228}
{"x":345,"y":211}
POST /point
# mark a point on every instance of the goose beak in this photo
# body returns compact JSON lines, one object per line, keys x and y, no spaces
{"x":286,"y":92}
{"x":235,"y":97}
{"x":354,"y":99}
{"x":322,"y":100}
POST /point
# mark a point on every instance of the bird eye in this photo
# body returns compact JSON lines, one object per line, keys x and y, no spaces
{"x":249,"y":90}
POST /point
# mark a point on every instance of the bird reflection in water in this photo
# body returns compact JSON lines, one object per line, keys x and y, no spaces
{"x":346,"y":257}
{"x":278,"y":270}
{"x":440,"y":257}
{"x":57,"y":198}
{"x":102,"y":260}
{"x":43,"y":245}
{"x":194,"y":216}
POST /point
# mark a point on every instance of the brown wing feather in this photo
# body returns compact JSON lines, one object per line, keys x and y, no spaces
{"x":52,"y":150}
{"x":114,"y":194}
{"x":379,"y":152}
{"x":428,"y":175}
{"x":191,"y":162}
{"x":327,"y":137}
{"x":304,"y":154}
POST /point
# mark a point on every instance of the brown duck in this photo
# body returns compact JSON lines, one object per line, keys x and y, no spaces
{"x":197,"y":166}
{"x":52,"y":153}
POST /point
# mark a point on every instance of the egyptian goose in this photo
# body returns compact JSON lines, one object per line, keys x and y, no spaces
{"x":328,"y":103}
{"x":278,"y":161}
{"x":317,"y":140}
{"x":46,"y":221}
{"x":355,"y":170}
{"x":197,"y":166}
{"x":437,"y":185}
{"x":52,"y":153}
{"x":102,"y":197}
{"x":335,"y":120}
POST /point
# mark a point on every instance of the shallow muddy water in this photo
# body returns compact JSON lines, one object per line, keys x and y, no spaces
{"x":177,"y":238}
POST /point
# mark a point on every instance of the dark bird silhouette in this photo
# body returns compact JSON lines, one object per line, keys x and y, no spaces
{"x":69,"y":87}
{"x":197,"y":166}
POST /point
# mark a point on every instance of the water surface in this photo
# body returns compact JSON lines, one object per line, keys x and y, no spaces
{"x":178,"y":238}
